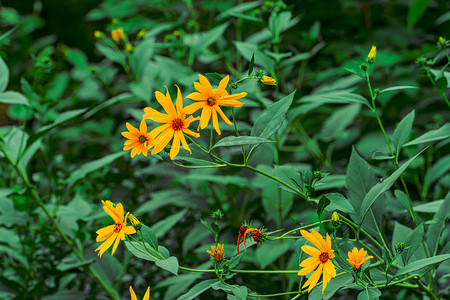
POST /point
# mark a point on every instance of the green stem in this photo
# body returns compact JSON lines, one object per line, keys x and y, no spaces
{"x":442,"y":93}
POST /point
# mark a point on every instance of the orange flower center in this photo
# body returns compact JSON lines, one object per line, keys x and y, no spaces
{"x":323,"y":257}
{"x":211,"y":101}
{"x":118,"y":227}
{"x":177,"y":124}
{"x":142,"y":139}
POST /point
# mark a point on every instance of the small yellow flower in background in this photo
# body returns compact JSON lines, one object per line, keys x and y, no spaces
{"x":129,"y":48}
{"x":372,"y":53}
{"x":176,"y":124}
{"x":217,"y":252}
{"x":138,"y":140}
{"x":135,"y":222}
{"x":210,"y":100}
{"x":117,"y":34}
{"x":356,"y":258}
{"x":335,"y":217}
{"x":98,"y":34}
{"x":133,"y":295}
{"x":268,"y":80}
{"x":113,"y":233}
{"x":321,"y":259}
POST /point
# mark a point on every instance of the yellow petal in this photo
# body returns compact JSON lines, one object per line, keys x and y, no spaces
{"x":311,"y":250}
{"x":215,"y":121}
{"x":308,"y":269}
{"x":106,"y":244}
{"x":162,"y":140}
{"x":132,"y":294}
{"x":105,"y":233}
{"x":143,"y":127}
{"x":154,"y":115}
{"x":179,"y":102}
{"x":329,"y":268}
{"x":229,"y":102}
{"x":222,"y":86}
{"x":206,"y":114}
{"x":116,"y":243}
{"x":147,"y":294}
{"x":309,"y":261}
{"x":131,"y":128}
{"x":312,"y":238}
{"x":129,"y":230}
{"x":219,"y":110}
{"x":205,"y":84}
{"x":312,"y":281}
{"x":190,"y":109}
{"x":166,"y":102}
{"x":196,"y":96}
{"x":175,"y":146}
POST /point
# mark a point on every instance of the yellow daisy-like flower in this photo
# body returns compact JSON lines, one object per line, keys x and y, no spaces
{"x":210,"y":100}
{"x":356,"y":258}
{"x":268,"y":80}
{"x":117,"y":34}
{"x":321,"y":259}
{"x":133,"y":295}
{"x":372,"y":53}
{"x":176,"y":124}
{"x":217,"y":252}
{"x":113,"y":233}
{"x":138,"y":140}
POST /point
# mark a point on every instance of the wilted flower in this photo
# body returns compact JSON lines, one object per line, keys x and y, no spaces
{"x":321,"y":259}
{"x":113,"y":233}
{"x":356,"y":258}
{"x":133,"y":295}
{"x":217,"y":252}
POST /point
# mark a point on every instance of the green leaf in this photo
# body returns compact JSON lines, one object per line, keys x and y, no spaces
{"x":334,"y":126}
{"x":122,"y":98}
{"x":139,"y":251}
{"x":430,"y":207}
{"x":4,"y":75}
{"x":369,"y":294}
{"x":198,"y":289}
{"x":434,"y":231}
{"x":72,"y":264}
{"x":381,"y":187}
{"x":165,"y":225}
{"x":200,"y":41}
{"x":240,"y":8}
{"x":403,"y":131}
{"x":247,"y":50}
{"x":63,"y":117}
{"x":250,"y":66}
{"x":10,"y":97}
{"x":416,"y":9}
{"x":170,"y":264}
{"x":111,"y":54}
{"x":403,"y":199}
{"x":335,"y":97}
{"x":438,"y":170}
{"x":272,"y":118}
{"x":214,"y":78}
{"x":377,"y":155}
{"x":441,"y":84}
{"x":269,"y":252}
{"x":412,"y":242}
{"x":323,"y":203}
{"x":332,"y":287}
{"x":422,"y":263}
{"x":240,"y":140}
{"x":92,"y":166}
{"x":339,"y":203}
{"x":396,"y":88}
{"x":149,"y":236}
{"x":431,"y":136}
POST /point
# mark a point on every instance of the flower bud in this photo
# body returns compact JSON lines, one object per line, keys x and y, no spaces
{"x":117,"y":34}
{"x":335,"y":217}
{"x":129,"y":48}
{"x":400,"y":247}
{"x":135,"y":222}
{"x":442,"y":43}
{"x":372,"y":55}
{"x":98,"y":34}
{"x":141,"y":34}
{"x":268,"y":80}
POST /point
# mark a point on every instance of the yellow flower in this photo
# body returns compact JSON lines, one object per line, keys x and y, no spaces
{"x":372,"y":53}
{"x":117,"y":34}
{"x":138,"y":140}
{"x":356,"y":258}
{"x":133,"y":295}
{"x":268,"y":80}
{"x":176,"y":124}
{"x":321,"y":259}
{"x":217,"y":252}
{"x":210,"y":100}
{"x":113,"y":233}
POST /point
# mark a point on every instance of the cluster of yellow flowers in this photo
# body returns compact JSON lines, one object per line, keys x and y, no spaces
{"x":176,"y":121}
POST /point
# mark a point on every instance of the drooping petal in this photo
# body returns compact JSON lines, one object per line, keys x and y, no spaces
{"x":308,"y":269}
{"x":183,"y":142}
{"x":132,"y":294}
{"x":162,"y":140}
{"x":134,"y":152}
{"x":312,"y":281}
{"x":311,"y":250}
{"x":329,"y":268}
{"x":204,"y":119}
{"x":175,"y":145}
{"x":325,"y":279}
{"x":116,"y":243}
{"x":215,"y":121}
{"x":190,"y":132}
{"x":106,"y":244}
{"x":219,"y":110}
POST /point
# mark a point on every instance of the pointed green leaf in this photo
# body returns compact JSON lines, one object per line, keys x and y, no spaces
{"x":323,"y":203}
{"x":403,"y":131}
{"x":10,"y":97}
{"x":250,"y":66}
{"x":422,"y":263}
{"x":149,"y":236}
{"x":198,"y":289}
{"x":381,"y":187}
{"x":165,"y":225}
{"x":241,"y":140}
{"x":396,"y":88}
{"x":170,"y":264}
{"x":4,"y":75}
{"x":431,"y":136}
